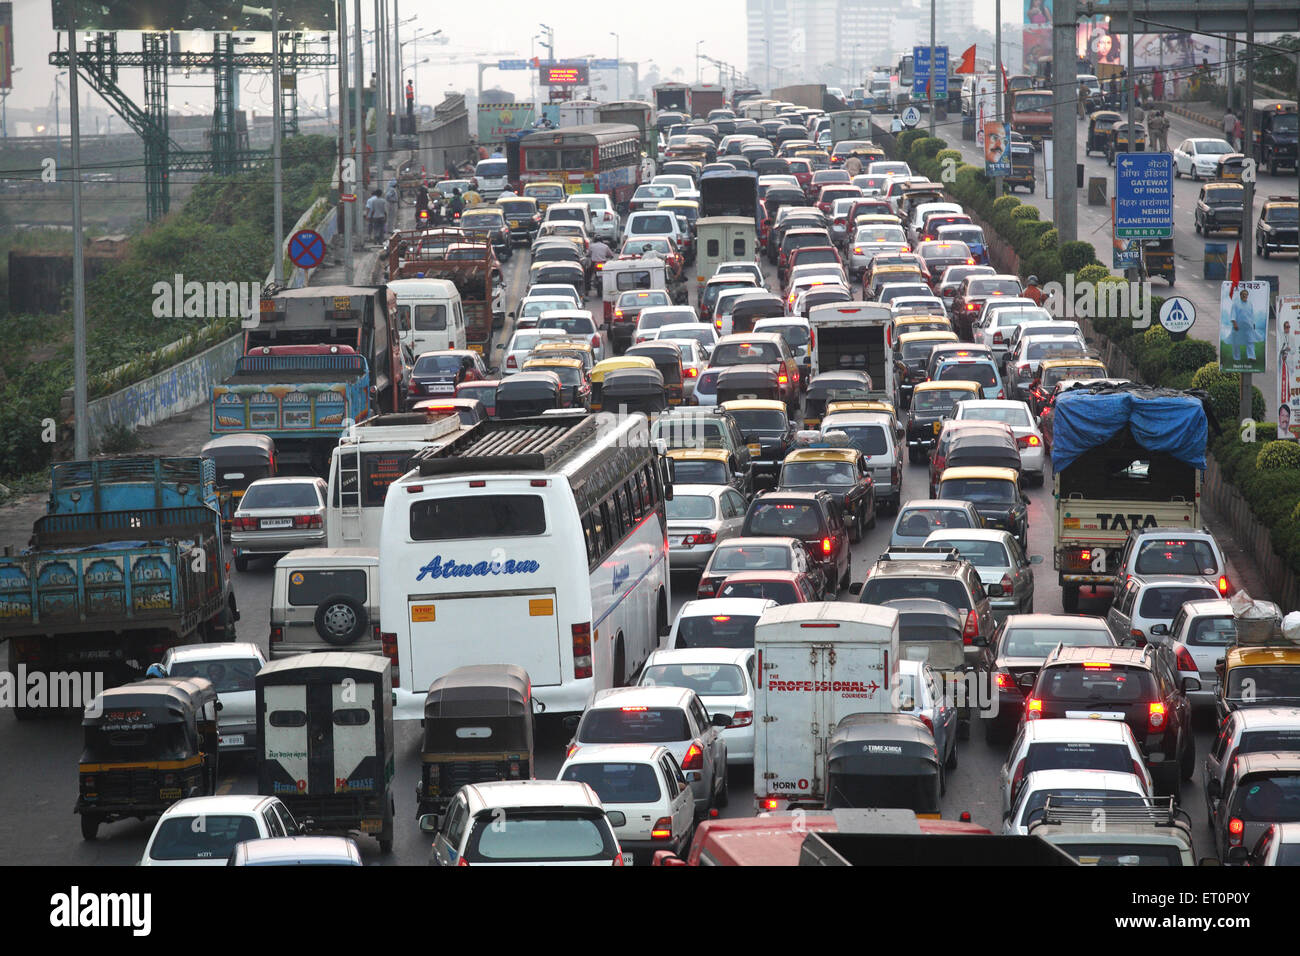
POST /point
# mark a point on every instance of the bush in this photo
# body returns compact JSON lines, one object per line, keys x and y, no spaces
{"x":1190,"y":355}
{"x":1207,"y":374}
{"x":1091,"y":273}
{"x":1277,"y":455}
{"x":1157,"y":337}
{"x":119,"y":439}
{"x":926,"y":147}
{"x":1075,"y":255}
{"x":1024,"y":211}
{"x":1045,"y":264}
{"x":949,"y":154}
{"x":1050,"y":239}
{"x":1273,"y":493}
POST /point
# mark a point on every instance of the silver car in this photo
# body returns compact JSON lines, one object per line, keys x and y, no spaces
{"x":1207,"y":630}
{"x":1004,"y":570}
{"x":920,"y":518}
{"x":699,"y":517}
{"x":276,"y":516}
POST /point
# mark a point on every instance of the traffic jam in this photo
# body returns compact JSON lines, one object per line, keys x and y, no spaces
{"x":702,"y":494}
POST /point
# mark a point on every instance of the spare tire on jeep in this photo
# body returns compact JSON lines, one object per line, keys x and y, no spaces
{"x":341,"y":619}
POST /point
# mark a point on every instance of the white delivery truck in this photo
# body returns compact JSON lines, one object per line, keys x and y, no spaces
{"x":851,"y":336}
{"x":817,"y":663}
{"x":720,"y":239}
{"x":430,"y":316}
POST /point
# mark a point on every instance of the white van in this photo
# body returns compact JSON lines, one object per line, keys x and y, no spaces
{"x":493,"y":177}
{"x":720,"y":239}
{"x":429,"y":314}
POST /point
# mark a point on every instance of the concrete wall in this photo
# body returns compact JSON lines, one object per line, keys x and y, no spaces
{"x":444,"y":140}
{"x":174,"y":390}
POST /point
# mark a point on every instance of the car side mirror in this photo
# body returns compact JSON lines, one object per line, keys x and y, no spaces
{"x":1159,"y":629}
{"x":1191,"y":685}
{"x":720,"y":720}
{"x":1036,"y":559}
{"x":429,"y":823}
{"x":616,"y":817}
{"x":1026,"y":682}
{"x":855,"y":587}
{"x":979,"y":641}
{"x":510,"y":315}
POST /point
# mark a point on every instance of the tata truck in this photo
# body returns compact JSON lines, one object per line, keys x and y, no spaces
{"x":469,"y":265}
{"x":127,"y":561}
{"x":850,"y":336}
{"x":672,"y":97}
{"x":707,"y":97}
{"x":1031,"y":115}
{"x":1123,"y":458}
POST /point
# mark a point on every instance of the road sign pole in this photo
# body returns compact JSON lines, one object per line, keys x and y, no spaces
{"x":1247,"y":240}
{"x":997,"y":81}
{"x":277,"y":123}
{"x":80,"y":405}
{"x":929,"y":83}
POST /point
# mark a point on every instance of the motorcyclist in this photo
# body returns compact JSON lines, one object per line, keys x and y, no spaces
{"x":1032,"y":291}
{"x":457,"y":204}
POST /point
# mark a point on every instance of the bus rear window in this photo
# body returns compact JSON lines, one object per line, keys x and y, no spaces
{"x":480,"y":516}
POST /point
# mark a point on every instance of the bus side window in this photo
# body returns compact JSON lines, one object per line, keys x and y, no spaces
{"x":589,"y":531}
{"x":624,"y":509}
{"x":606,"y":527}
{"x":651,"y":474}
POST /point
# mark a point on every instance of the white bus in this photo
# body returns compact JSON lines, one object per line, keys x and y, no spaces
{"x":539,"y":542}
{"x":370,"y":457}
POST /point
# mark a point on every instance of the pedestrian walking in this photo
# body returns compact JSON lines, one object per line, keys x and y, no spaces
{"x":1229,"y":126}
{"x":1239,"y":135}
{"x":391,"y":200}
{"x":375,"y":215}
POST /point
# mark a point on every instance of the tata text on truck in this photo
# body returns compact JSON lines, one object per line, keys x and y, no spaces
{"x":127,"y":561}
{"x":1123,"y":458}
{"x":852,"y":336}
{"x":316,"y":359}
{"x":817,"y":664}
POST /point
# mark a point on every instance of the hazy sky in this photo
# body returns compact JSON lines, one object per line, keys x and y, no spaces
{"x":665,"y":31}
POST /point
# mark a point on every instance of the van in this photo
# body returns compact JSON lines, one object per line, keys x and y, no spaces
{"x":492,"y":176}
{"x":720,"y":239}
{"x":325,"y":599}
{"x":430,"y":316}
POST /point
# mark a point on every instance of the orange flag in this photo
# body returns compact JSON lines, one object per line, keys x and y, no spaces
{"x":967,"y":64}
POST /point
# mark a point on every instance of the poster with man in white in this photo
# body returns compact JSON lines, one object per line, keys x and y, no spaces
{"x":1243,"y":326}
{"x":1288,"y":367}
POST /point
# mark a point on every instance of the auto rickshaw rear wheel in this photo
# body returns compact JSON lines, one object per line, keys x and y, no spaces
{"x":386,"y":833}
{"x":89,"y":826}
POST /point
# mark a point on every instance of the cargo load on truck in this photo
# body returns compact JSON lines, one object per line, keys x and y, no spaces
{"x":850,"y":336}
{"x":468,"y":264}
{"x":1124,"y":457}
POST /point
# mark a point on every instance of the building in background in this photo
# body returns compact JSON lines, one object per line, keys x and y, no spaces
{"x":767,"y":47}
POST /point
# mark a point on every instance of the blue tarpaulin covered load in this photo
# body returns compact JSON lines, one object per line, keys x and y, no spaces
{"x":1160,"y":420}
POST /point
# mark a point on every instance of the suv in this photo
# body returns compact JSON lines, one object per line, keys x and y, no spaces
{"x":1154,"y":835}
{"x":812,"y":517}
{"x":325,"y":599}
{"x":973,"y":292}
{"x":709,"y":427}
{"x":940,"y":575}
{"x":1179,"y":551}
{"x":1137,"y":685}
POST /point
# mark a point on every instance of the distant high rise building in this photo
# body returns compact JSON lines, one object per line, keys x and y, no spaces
{"x":767,"y":27}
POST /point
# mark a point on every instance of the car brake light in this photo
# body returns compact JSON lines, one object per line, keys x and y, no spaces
{"x":997,"y":338}
{"x":783,"y":379}
{"x":663,"y":829}
{"x":708,"y":588}
{"x":1223,"y":584}
{"x":618,"y":313}
{"x":1028,"y":441}
{"x":461,"y":861}
{"x":971,"y":306}
{"x":741,"y":718}
{"x":1156,"y":715}
{"x":388,"y":648}
{"x":1033,"y":708}
{"x":694,"y":759}
{"x":1006,"y":583}
{"x":971,"y":630}
{"x":1001,"y":394}
{"x":826,"y":545}
{"x":277,"y":635}
{"x":692,"y":373}
{"x":581,"y":651}
{"x":929,"y":724}
{"x":1235,"y":830}
{"x":307,"y":521}
{"x":769,"y":803}
{"x":595,"y":341}
{"x":1005,"y":681}
{"x":510,"y":362}
{"x":633,"y":709}
{"x":1185,"y":660}
{"x":703,"y":537}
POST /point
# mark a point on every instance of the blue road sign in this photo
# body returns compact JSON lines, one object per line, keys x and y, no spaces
{"x":1144,"y":196}
{"x":921,"y":71}
{"x":512,"y":64}
{"x":604,"y":64}
{"x":306,"y":249}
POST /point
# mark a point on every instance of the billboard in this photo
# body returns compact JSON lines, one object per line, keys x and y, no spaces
{"x":1037,"y":39}
{"x":218,"y":15}
{"x":563,"y":75}
{"x":1175,"y":50}
{"x":6,"y":46}
{"x":496,"y":121}
{"x":1288,"y":376}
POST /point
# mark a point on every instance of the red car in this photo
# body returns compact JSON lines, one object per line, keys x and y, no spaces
{"x":801,"y":169}
{"x":783,"y":587}
{"x":830,"y":192}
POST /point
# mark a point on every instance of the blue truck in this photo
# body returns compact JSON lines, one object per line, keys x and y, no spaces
{"x":127,"y":561}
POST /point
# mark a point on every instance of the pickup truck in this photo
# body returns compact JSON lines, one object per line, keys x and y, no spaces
{"x":471,"y":266}
{"x":127,"y":561}
{"x":1108,"y":482}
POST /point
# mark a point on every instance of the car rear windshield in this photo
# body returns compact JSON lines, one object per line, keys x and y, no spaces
{"x":517,"y":209}
{"x":701,"y":473}
{"x":982,"y":554}
{"x":574,"y":325}
{"x":784,"y":519}
{"x":734,"y":631}
{"x":980,"y":490}
{"x":707,"y":680}
{"x":746,"y":353}
{"x":1176,"y":556}
{"x":698,"y":507}
{"x":477,"y":516}
{"x":617,"y":782}
{"x":982,"y":373}
{"x":1039,"y":642}
{"x":1040,"y":350}
{"x":1014,"y":415}
{"x":1267,"y":683}
{"x":818,"y":473}
{"x":782,"y":592}
{"x":1266,"y":741}
{"x":868,"y":439}
{"x":651,"y":225}
{"x":913,"y":351}
{"x":427,"y":318}
{"x":880,"y":234}
{"x":1212,"y":632}
{"x":994,"y":286}
{"x":634,"y":725}
{"x":482,"y":220}
{"x":1121,"y":854}
{"x":1284,"y":214}
{"x":1269,"y":798}
{"x":657,"y":319}
{"x":229,"y":675}
{"x":632,"y":299}
{"x":1098,"y":799}
{"x":751,"y":557}
{"x":879,"y":589}
{"x":298,"y":494}
{"x":537,"y":307}
{"x":1097,"y":684}
{"x":936,"y":519}
{"x":939,"y":399}
{"x":1164,"y":602}
{"x":536,"y":836}
{"x":1078,"y":755}
{"x":760,"y":420}
{"x":308,"y":588}
{"x":212,"y":837}
{"x":967,"y":235}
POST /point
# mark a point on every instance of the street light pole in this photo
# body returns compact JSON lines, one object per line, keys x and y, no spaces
{"x":618,"y":68}
{"x":997,"y":85}
{"x":698,"y":44}
{"x":80,"y":405}
{"x":277,"y":121}
{"x":1247,"y":241}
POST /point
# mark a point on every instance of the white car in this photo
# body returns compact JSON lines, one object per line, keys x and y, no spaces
{"x":744,"y":268}
{"x":1017,"y":417}
{"x":798,"y":334}
{"x":1199,"y":157}
{"x":926,"y":209}
{"x":1095,"y":789}
{"x":694,"y":362}
{"x":673,"y":717}
{"x":917,"y":305}
{"x":521,"y":343}
{"x":231,"y":667}
{"x":805,"y":282}
{"x":203,"y":831}
{"x":649,"y":197}
{"x":999,"y":320}
{"x":726,"y":300}
{"x":1070,"y":744}
{"x":532,"y":306}
{"x":644,"y":793}
{"x":920,"y":686}
{"x":716,"y":622}
{"x":651,"y":319}
{"x":702,"y":332}
{"x":523,"y":823}
{"x":685,"y":186}
{"x":874,"y":240}
{"x":882,"y":167}
{"x":723,"y":678}
{"x":609,"y":225}
{"x":577,"y":324}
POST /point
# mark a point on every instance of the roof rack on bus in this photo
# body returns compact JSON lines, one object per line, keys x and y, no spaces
{"x":519,"y":444}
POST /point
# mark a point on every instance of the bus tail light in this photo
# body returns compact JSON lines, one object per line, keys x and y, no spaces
{"x":769,"y":803}
{"x":388,"y":648}
{"x":581,"y":651}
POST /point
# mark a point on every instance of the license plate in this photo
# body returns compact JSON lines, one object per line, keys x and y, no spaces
{"x":754,"y":448}
{"x":372,"y":826}
{"x":1093,"y":715}
{"x":475,"y":347}
{"x":170,"y":793}
{"x":438,"y":389}
{"x":276,"y":523}
{"x":234,"y":740}
{"x":514,"y":224}
{"x":675,"y":541}
{"x":627,"y":859}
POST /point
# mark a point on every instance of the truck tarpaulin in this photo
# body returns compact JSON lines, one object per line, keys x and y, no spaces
{"x":1161,"y":420}
{"x":496,"y":121}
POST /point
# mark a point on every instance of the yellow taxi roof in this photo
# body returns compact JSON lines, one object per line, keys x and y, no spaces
{"x":708,"y":454}
{"x":859,"y":406}
{"x":931,"y":335}
{"x":612,"y":364}
{"x":546,"y":185}
{"x":679,"y":204}
{"x":896,"y":267}
{"x":903,"y":321}
{"x":823,"y":454}
{"x":1260,"y":656}
{"x":562,"y":344}
{"x":754,"y":404}
{"x":955,"y":383}
{"x":506,"y":199}
{"x":876,"y":219}
{"x":558,"y":361}
{"x":977,"y":471}
{"x":1072,"y":363}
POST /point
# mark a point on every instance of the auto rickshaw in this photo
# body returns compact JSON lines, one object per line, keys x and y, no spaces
{"x":1100,"y":124}
{"x":706,"y":466}
{"x":478,"y":728}
{"x":571,"y":375}
{"x":565,"y":348}
{"x":1022,"y":168}
{"x":668,"y":360}
{"x":635,"y":390}
{"x":529,"y":393}
{"x":862,"y":406}
{"x":241,"y":459}
{"x":754,"y":306}
{"x":883,"y":760}
{"x":147,"y":745}
{"x":1230,"y":167}
{"x":485,"y":390}
{"x":325,"y":740}
{"x":602,"y":369}
{"x":847,"y":385}
{"x":1158,"y":258}
{"x":1122,"y":140}
{"x":748,"y":383}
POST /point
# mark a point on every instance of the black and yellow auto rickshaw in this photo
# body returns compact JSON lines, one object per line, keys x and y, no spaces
{"x":607,"y":366}
{"x":885,"y":761}
{"x":1230,"y":167}
{"x":668,"y":360}
{"x":478,"y":728}
{"x":1124,"y":140}
{"x":529,"y":393}
{"x":241,"y":459}
{"x":1158,"y":258}
{"x":635,"y":390}
{"x":147,"y":745}
{"x":748,"y":383}
{"x":1100,"y":124}
{"x":1022,"y":168}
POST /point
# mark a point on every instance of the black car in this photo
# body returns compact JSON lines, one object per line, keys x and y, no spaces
{"x":844,"y":473}
{"x":768,"y":431}
{"x":1140,"y":686}
{"x":523,"y":218}
{"x":489,"y":222}
{"x":1277,"y":229}
{"x":814,"y":518}
{"x":1219,"y":208}
{"x":439,"y":373}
